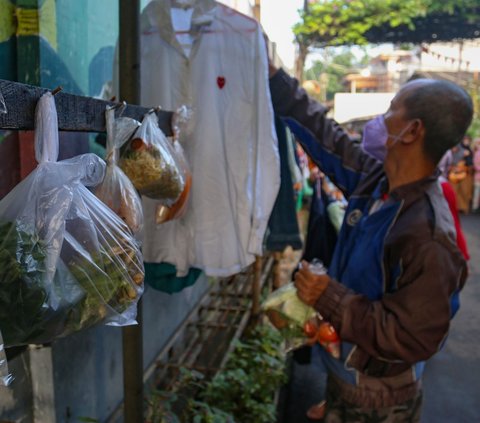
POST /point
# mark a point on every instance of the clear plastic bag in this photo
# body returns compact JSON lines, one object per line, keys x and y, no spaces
{"x":116,"y":190}
{"x":3,"y":106}
{"x":299,"y":323}
{"x":5,"y":377}
{"x":67,"y":262}
{"x":288,"y":314}
{"x":164,"y":213}
{"x":149,"y":160}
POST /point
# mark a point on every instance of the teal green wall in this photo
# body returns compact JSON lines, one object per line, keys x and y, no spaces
{"x":8,"y":59}
{"x":83,"y":29}
{"x":82,"y":59}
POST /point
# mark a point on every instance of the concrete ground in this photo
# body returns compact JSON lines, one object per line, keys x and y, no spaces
{"x":452,"y":377}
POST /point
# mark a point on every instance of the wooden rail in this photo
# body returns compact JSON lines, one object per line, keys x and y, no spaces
{"x":75,"y":113}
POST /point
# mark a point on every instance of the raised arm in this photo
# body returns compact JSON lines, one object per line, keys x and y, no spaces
{"x":329,"y":146}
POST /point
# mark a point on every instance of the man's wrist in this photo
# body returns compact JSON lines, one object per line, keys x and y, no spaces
{"x":329,"y":303}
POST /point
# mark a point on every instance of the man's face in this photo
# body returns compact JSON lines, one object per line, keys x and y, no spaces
{"x":395,"y":119}
{"x":398,"y":125}
{"x":399,"y":128}
{"x":395,"y":124}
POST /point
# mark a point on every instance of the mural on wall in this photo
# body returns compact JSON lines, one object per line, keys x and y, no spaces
{"x":7,"y":40}
{"x":53,"y":43}
{"x":58,"y":42}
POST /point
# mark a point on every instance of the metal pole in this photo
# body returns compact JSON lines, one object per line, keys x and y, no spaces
{"x":129,"y":87}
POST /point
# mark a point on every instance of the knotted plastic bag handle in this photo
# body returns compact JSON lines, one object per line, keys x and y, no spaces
{"x":46,"y":129}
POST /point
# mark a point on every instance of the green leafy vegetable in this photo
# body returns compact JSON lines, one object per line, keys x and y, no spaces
{"x":36,"y":308}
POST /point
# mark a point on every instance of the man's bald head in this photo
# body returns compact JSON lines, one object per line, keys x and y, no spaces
{"x":445,"y":109}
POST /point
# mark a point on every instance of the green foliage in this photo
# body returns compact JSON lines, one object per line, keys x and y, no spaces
{"x":334,"y":67}
{"x":337,"y":22}
{"x":22,"y":295}
{"x":243,"y":392}
{"x":247,"y":386}
{"x":160,"y":405}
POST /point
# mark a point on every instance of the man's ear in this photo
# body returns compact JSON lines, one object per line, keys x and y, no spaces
{"x":415,"y":131}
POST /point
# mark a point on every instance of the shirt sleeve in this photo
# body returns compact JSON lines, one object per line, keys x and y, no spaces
{"x":329,"y":146}
{"x":266,"y":163}
{"x":407,"y":325}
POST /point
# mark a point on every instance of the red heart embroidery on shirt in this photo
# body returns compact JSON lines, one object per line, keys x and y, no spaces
{"x":221,"y":82}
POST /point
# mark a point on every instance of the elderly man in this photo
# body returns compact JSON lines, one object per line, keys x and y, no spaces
{"x":394,"y":280}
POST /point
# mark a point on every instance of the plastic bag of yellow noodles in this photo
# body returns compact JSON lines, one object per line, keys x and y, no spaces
{"x":149,"y":160}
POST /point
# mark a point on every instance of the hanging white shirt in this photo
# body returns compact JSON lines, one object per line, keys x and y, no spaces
{"x":230,"y":141}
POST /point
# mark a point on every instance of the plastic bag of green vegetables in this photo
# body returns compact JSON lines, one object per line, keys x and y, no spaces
{"x":67,"y":261}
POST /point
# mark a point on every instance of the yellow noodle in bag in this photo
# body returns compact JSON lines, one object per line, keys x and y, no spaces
{"x":150,"y":162}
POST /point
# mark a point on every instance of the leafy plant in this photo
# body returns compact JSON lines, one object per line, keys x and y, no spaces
{"x":243,"y":392}
{"x":334,"y":65}
{"x":160,"y":407}
{"x":336,"y":22}
{"x":247,"y":386}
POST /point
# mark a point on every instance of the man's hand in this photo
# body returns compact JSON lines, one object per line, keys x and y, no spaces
{"x":310,"y":286}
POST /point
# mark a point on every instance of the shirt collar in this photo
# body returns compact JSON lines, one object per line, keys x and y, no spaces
{"x":157,"y":14}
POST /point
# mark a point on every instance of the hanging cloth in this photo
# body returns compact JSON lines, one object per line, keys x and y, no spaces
{"x":230,"y":142}
{"x":283,"y":229}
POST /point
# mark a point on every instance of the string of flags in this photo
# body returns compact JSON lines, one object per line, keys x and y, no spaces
{"x":447,"y":59}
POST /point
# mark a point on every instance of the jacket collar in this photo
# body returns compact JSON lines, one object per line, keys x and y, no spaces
{"x":412,"y":191}
{"x":157,"y":15}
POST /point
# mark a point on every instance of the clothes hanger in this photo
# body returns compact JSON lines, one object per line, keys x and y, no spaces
{"x":184,"y":4}
{"x":227,"y":11}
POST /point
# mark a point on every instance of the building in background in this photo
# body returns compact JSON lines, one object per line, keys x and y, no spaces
{"x":385,"y":73}
{"x":369,"y":91}
{"x":455,"y":61}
